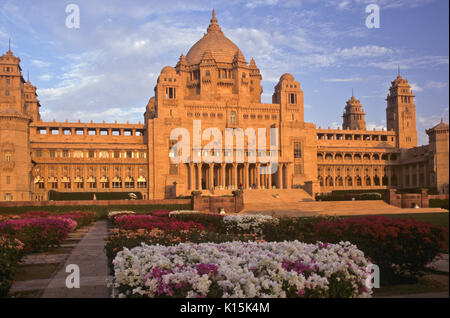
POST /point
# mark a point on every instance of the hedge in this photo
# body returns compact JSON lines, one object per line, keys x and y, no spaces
{"x":79,"y":196}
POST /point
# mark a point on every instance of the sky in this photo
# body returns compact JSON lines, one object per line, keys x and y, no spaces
{"x":107,"y":68}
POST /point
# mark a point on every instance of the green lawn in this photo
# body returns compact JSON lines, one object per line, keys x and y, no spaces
{"x":431,"y":282}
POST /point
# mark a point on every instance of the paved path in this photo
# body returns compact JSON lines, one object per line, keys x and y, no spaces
{"x":90,"y":256}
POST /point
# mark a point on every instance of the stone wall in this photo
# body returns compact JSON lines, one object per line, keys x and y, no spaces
{"x":408,"y":200}
{"x":213,"y":204}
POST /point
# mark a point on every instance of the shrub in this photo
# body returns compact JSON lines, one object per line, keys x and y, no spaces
{"x":130,"y":222}
{"x":401,"y":247}
{"x":113,"y":215}
{"x":241,"y":270}
{"x":120,"y":238}
{"x":439,"y":203}
{"x":212,"y":222}
{"x":83,"y":218}
{"x":37,"y":234}
{"x":247,"y":223}
{"x":291,"y":229}
{"x":11,"y":252}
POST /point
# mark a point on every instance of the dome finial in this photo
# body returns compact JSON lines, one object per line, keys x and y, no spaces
{"x":214,"y":26}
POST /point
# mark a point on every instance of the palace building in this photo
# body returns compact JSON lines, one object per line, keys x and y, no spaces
{"x":215,"y":84}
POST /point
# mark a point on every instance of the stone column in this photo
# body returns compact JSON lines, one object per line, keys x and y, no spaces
{"x":211,"y":176}
{"x":257,"y":175}
{"x":199,"y":176}
{"x":235,"y":181}
{"x":190,"y":168}
{"x":289,"y":175}
{"x":269,"y":179}
{"x":279,"y":173}
{"x":222,"y":175}
{"x":246,"y":181}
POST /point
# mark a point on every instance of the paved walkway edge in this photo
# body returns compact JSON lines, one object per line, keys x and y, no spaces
{"x":89,"y":255}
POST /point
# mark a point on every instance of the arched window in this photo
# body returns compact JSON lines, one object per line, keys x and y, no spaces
{"x":233,"y":117}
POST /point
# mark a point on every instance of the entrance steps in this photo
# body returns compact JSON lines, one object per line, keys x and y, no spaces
{"x":299,"y":202}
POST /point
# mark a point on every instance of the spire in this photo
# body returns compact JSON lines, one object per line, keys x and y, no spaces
{"x":353,"y":95}
{"x":398,"y":69}
{"x":214,"y":26}
{"x":214,"y":20}
{"x":9,"y":44}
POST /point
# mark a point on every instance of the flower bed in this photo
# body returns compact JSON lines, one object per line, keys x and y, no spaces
{"x":113,"y":215}
{"x":11,"y":251}
{"x":401,"y":247}
{"x":247,"y":223}
{"x":83,"y":218}
{"x":120,"y":238}
{"x":183,"y":212}
{"x":38,"y":234}
{"x":132,"y":222}
{"x":238,"y":269}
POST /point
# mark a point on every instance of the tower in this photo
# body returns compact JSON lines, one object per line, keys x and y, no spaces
{"x":289,"y":96}
{"x":438,"y":143}
{"x":15,"y":151}
{"x":354,"y":116}
{"x":401,"y":113}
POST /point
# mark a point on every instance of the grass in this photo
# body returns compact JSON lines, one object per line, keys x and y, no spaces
{"x":35,"y":271}
{"x":431,"y":282}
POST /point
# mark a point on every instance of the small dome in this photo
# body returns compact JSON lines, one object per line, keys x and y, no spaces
{"x":168,"y":69}
{"x":287,"y":76}
{"x":221,"y":48}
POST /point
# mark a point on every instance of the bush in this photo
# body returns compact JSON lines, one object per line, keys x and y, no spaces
{"x":81,"y":196}
{"x":349,"y":196}
{"x":83,"y":218}
{"x":11,"y":252}
{"x":439,"y":203}
{"x":37,"y":234}
{"x":212,"y":222}
{"x":133,"y":222}
{"x":401,"y":247}
{"x":247,"y":224}
{"x":291,"y":229}
{"x":241,"y":270}
{"x":120,"y":238}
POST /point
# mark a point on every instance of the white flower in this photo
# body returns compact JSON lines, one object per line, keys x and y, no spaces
{"x":237,"y":269}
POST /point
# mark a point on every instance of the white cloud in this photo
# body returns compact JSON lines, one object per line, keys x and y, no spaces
{"x":40,"y":64}
{"x":435,"y":84}
{"x":46,"y":77}
{"x":343,"y":80}
{"x":258,"y":3}
{"x":376,"y":126}
{"x":416,"y":87}
{"x":363,"y":51}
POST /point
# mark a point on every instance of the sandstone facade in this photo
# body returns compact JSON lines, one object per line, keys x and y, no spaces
{"x":216,"y":86}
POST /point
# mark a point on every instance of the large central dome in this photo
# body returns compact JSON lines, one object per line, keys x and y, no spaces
{"x":222,"y":49}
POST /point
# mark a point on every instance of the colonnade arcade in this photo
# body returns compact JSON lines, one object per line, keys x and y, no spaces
{"x":357,"y":176}
{"x":231,"y":176}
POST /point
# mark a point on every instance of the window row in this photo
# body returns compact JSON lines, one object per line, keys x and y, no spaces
{"x":322,"y":136}
{"x":357,"y":156}
{"x":90,"y":132}
{"x":67,"y":184}
{"x":90,"y":154}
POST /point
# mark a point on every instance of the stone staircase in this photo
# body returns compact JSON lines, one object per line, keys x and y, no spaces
{"x":297,"y":202}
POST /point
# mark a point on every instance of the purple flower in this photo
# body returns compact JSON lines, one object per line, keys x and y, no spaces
{"x":206,"y":269}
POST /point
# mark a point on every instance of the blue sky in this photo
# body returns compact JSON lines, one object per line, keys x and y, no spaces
{"x":107,"y":69}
